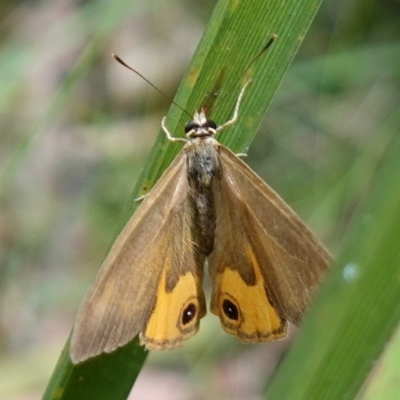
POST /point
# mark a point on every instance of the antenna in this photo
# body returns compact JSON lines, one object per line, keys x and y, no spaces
{"x":146,"y":80}
{"x":257,"y":56}
{"x":261,"y":52}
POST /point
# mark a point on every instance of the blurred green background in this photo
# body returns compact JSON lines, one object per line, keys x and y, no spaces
{"x":76,"y":128}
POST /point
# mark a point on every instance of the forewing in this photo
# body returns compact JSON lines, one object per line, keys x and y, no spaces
{"x":266,"y":264}
{"x":152,"y":257}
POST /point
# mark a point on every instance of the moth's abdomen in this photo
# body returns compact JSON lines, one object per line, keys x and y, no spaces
{"x":203,"y":168}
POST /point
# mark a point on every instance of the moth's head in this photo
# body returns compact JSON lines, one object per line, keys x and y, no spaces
{"x":200,"y":126}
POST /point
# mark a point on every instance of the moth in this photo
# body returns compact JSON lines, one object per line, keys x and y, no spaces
{"x":208,"y":206}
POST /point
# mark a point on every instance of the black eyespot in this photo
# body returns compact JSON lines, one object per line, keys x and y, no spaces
{"x":211,"y":124}
{"x":230,"y":310}
{"x":189,"y":313}
{"x":191,"y":125}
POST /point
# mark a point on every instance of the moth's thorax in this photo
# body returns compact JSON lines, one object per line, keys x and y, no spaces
{"x":202,"y":150}
{"x":203,"y":161}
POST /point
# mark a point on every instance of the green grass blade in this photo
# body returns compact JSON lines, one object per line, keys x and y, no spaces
{"x":236,"y":33}
{"x":358,"y":308}
{"x":384,"y":382}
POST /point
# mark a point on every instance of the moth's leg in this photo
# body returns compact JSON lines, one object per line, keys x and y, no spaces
{"x":236,"y":112}
{"x":140,"y":198}
{"x":169,"y":136}
{"x":241,"y":155}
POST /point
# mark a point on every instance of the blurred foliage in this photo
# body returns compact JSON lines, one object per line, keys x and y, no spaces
{"x":69,"y":161}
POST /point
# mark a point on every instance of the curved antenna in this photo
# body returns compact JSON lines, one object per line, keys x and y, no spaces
{"x":152,"y":85}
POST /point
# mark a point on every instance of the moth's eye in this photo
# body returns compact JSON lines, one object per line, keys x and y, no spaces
{"x":211,"y":124}
{"x":191,"y":125}
{"x":189,"y":313}
{"x":230,"y":310}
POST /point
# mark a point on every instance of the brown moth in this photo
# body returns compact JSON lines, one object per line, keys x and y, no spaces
{"x":264,"y":263}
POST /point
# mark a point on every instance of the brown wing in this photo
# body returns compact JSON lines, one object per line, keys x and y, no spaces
{"x":266,"y":264}
{"x":150,"y":281}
